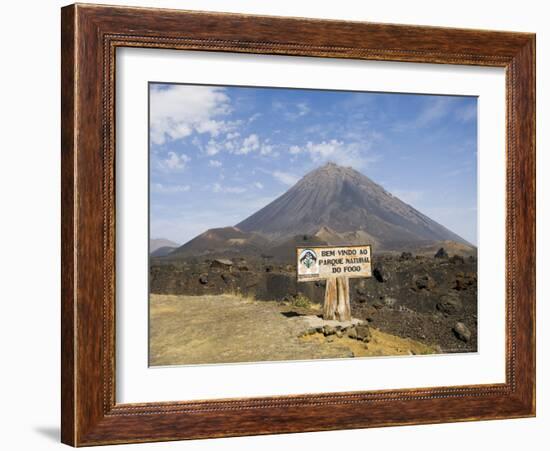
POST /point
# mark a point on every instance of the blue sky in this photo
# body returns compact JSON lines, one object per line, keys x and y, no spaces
{"x":218,"y":154}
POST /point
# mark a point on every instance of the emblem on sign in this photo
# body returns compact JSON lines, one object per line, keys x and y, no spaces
{"x":308,"y":263}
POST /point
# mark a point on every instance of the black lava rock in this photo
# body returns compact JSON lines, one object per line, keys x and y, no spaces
{"x":441,"y":253}
{"x":456,"y":259}
{"x":380,"y":274}
{"x":449,"y":305}
{"x":423,"y":282}
{"x":462,"y":332}
{"x":406,"y":256}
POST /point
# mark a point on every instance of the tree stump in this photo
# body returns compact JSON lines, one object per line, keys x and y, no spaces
{"x":337,"y":303}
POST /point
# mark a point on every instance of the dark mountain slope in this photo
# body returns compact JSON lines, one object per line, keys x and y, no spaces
{"x":222,"y":241}
{"x":343,"y":200}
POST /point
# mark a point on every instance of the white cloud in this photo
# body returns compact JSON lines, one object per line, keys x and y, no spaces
{"x":212,"y":148}
{"x":259,"y":185}
{"x":212,"y":127}
{"x":291,"y":111}
{"x":266,"y":149}
{"x":285,"y":177}
{"x":303,"y":109}
{"x":234,"y":189}
{"x":218,"y":188}
{"x":234,"y":145}
{"x":294,"y":150}
{"x":179,"y":110}
{"x":325,"y":149}
{"x":161,"y":188}
{"x":174,"y":162}
{"x":345,"y":154}
{"x":254,"y":117}
{"x":436,"y":109}
{"x":250,"y":143}
{"x":215,"y":163}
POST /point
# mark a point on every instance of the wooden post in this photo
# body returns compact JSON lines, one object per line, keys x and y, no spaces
{"x":324,"y":263}
{"x":337,"y":303}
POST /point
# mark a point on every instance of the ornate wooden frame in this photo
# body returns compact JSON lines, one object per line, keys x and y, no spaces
{"x":90,"y":35}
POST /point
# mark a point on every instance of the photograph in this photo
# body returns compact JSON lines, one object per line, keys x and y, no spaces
{"x":290,"y":224}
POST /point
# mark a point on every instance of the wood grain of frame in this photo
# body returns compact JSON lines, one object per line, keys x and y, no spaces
{"x":90,"y":35}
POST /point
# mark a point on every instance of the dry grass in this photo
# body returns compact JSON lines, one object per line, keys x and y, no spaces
{"x":231,"y":328}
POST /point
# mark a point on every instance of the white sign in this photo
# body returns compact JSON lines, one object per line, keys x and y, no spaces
{"x":323,"y":262}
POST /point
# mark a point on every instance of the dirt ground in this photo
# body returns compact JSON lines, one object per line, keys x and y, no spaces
{"x":227,"y":328}
{"x":410,"y":296}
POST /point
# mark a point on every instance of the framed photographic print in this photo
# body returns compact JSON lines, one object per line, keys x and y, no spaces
{"x":280,"y":225}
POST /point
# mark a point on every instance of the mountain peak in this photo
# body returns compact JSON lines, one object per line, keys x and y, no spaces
{"x":344,"y":200}
{"x":330,"y":165}
{"x":332,"y":174}
{"x":333,"y":167}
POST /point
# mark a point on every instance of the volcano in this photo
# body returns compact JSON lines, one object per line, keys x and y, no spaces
{"x":331,"y":205}
{"x":343,"y":205}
